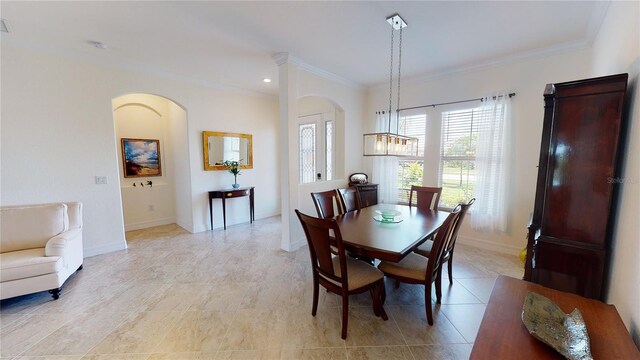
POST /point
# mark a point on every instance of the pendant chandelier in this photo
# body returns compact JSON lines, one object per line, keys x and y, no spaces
{"x":392,"y":143}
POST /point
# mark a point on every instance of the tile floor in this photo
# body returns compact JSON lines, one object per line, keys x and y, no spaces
{"x":235,"y":295}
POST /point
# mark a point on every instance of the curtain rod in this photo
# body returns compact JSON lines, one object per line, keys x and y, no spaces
{"x":449,"y":103}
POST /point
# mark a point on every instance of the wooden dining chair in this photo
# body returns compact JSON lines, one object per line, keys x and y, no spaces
{"x":349,"y":199}
{"x":425,"y":248}
{"x":328,"y":204}
{"x":339,"y":274}
{"x":427,"y":198}
{"x":417,"y":269}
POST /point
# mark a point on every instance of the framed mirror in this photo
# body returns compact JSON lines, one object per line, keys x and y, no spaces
{"x":221,"y":146}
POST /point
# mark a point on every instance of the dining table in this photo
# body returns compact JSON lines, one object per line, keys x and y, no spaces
{"x":390,"y":241}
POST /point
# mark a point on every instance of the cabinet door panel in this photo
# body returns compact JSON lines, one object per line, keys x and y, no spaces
{"x":568,"y":268}
{"x":581,"y":166}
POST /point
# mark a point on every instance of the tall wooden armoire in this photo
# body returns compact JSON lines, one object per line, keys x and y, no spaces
{"x":578,"y":175}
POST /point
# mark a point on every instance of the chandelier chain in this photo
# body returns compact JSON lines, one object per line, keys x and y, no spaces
{"x":390,"y":78}
{"x":399,"y":65}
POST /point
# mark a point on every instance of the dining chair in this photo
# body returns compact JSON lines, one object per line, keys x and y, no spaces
{"x":325,"y":202}
{"x":427,"y":198}
{"x":417,"y":269}
{"x":339,"y":274}
{"x":349,"y":199}
{"x":425,"y":248}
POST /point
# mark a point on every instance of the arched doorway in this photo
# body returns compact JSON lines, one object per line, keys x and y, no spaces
{"x":153,"y":161}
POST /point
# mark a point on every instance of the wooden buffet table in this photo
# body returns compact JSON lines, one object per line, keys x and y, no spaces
{"x":502,"y":334}
{"x":225,"y":194}
{"x":388,"y":241}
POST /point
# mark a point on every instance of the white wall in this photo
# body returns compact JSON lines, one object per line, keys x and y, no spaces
{"x":144,"y":116}
{"x":297,"y":83}
{"x":527,"y":79}
{"x":617,"y":50}
{"x":58,"y":133}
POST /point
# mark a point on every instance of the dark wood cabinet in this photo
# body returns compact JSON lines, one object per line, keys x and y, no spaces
{"x":570,"y":232}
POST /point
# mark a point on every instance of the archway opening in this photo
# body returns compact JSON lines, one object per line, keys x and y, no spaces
{"x":153,"y":161}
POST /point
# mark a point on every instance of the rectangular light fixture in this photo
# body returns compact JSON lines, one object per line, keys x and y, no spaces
{"x":389,"y":144}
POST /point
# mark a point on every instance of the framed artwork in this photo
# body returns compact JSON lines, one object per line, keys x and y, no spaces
{"x":141,"y":157}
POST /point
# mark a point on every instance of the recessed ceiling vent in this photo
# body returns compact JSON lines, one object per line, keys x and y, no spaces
{"x":4,"y":25}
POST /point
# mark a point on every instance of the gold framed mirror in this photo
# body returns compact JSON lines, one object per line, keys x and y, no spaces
{"x":222,"y":146}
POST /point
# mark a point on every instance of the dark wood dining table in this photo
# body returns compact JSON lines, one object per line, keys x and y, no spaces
{"x":365,"y":236}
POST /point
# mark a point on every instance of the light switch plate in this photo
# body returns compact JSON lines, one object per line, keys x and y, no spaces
{"x":102,"y":180}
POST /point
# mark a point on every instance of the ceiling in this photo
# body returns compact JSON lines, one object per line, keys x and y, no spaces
{"x":232,"y":43}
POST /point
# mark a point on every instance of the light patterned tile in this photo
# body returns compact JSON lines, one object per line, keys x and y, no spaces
{"x":466,"y":318}
{"x":197,"y":331}
{"x":256,"y":329}
{"x":139,"y":333}
{"x":235,"y":294}
{"x":481,"y":288}
{"x":339,"y":353}
{"x":307,"y":331}
{"x":184,"y":356}
{"x":366,"y":329}
{"x":412,"y":321}
{"x":78,"y":336}
{"x":442,"y":352}
{"x":20,"y":336}
{"x":379,"y":353}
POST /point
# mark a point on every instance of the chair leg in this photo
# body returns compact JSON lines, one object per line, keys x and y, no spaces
{"x":345,"y":314}
{"x":314,"y":308}
{"x":427,"y":303}
{"x":450,"y":266}
{"x":439,"y":285}
{"x":397,"y":284}
{"x":374,"y":295}
{"x":379,"y":291}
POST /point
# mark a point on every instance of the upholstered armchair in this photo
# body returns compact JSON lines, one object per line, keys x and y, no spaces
{"x":40,"y":247}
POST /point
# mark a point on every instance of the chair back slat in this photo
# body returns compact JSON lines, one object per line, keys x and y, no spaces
{"x":427,"y":198}
{"x":324,"y":202}
{"x":464,"y":207}
{"x":350,"y":199}
{"x":318,"y":233}
{"x":442,"y":240}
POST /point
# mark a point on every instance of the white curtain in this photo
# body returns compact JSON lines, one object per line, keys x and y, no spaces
{"x":492,"y":165}
{"x":385,"y":168}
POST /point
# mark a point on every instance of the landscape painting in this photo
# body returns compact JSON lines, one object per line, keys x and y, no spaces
{"x":141,"y":157}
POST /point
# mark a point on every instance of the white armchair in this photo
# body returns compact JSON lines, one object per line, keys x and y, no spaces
{"x":40,"y":247}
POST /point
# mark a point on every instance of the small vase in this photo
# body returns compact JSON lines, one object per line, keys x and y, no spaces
{"x":235,"y":186}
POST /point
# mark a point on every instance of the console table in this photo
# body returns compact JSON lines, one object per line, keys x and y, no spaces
{"x":502,"y":334}
{"x":225,"y":194}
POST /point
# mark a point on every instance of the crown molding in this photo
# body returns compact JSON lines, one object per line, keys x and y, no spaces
{"x":505,"y":60}
{"x":287,"y":58}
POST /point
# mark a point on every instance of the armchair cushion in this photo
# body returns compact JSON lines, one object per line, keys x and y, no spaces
{"x":24,"y":264}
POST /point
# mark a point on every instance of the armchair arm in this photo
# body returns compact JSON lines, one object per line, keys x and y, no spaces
{"x":60,"y":244}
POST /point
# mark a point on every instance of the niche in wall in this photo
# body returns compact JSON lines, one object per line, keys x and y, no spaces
{"x":145,"y":204}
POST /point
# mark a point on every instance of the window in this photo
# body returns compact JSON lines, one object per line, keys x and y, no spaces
{"x":315,"y":145}
{"x":458,"y":155}
{"x":411,"y":169}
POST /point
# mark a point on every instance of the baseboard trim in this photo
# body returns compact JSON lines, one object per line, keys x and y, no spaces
{"x":489,"y":245}
{"x":150,"y":223}
{"x":106,"y":248}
